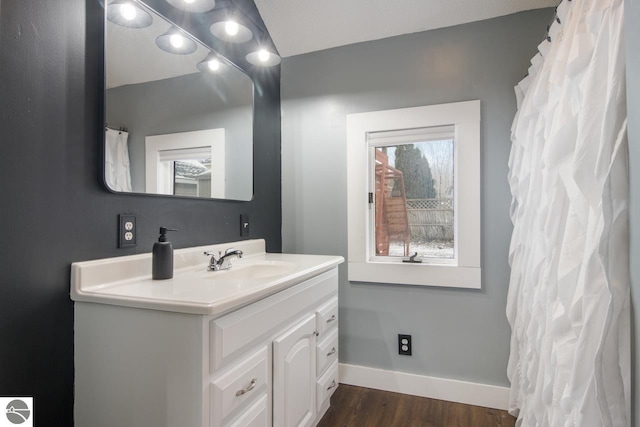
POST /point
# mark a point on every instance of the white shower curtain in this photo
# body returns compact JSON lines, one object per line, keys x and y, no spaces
{"x":568,"y":302}
{"x":118,"y":174}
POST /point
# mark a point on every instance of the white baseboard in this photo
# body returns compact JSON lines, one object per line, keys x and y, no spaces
{"x":489,"y":396}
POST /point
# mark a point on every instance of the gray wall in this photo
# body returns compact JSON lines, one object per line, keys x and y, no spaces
{"x":188,"y":103}
{"x":458,"y":334}
{"x":632,"y":11}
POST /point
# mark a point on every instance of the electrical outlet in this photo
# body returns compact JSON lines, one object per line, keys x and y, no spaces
{"x":404,"y":345}
{"x":245,"y":226}
{"x":127,"y":231}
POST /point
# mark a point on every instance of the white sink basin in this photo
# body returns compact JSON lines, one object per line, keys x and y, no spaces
{"x":253,"y":270}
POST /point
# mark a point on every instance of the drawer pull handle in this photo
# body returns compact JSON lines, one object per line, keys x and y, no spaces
{"x":331,"y":319}
{"x":248,"y":388}
{"x":332,"y":352}
{"x":333,"y":385}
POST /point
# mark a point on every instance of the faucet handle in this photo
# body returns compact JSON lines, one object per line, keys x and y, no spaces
{"x":213,"y":263}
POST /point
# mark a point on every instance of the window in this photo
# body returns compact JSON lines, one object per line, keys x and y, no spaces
{"x":186,"y":163}
{"x":185,"y":172}
{"x":411,"y":185}
{"x":414,"y":189}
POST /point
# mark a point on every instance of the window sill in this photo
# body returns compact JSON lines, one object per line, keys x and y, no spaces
{"x":451,"y":276}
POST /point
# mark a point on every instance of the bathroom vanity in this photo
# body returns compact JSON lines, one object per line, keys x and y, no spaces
{"x":255,"y":345}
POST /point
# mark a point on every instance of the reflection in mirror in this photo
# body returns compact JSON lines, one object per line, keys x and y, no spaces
{"x":175,"y":123}
{"x":186,"y":164}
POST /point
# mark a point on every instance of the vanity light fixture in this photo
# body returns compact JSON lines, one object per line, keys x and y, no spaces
{"x":231,"y":28}
{"x":231,"y":31}
{"x":195,"y":6}
{"x":263,"y":58}
{"x":211,"y":64}
{"x":128,"y":13}
{"x":174,"y":41}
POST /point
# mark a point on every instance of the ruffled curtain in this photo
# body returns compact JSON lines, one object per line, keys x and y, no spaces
{"x":568,"y":302}
{"x":117,"y":167}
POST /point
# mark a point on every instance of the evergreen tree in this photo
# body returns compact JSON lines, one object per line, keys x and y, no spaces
{"x":418,"y":181}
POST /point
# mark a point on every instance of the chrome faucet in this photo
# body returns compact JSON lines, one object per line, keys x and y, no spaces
{"x":224,"y":261}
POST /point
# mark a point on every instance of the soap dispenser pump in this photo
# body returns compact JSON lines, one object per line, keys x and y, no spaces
{"x":162,"y":263}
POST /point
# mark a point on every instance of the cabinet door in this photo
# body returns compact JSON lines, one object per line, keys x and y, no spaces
{"x":294,"y":375}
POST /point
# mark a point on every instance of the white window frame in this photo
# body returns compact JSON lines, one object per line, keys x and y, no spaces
{"x":465,"y":272}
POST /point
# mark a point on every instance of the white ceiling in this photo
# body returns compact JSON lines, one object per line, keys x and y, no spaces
{"x":131,"y":55}
{"x":301,"y":26}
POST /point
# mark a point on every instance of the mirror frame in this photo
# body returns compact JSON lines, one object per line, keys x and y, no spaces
{"x":103,"y":109}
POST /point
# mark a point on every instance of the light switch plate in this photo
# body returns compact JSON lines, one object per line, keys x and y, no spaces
{"x":245,"y":226}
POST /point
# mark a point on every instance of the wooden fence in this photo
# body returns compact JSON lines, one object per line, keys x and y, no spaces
{"x":430,"y":219}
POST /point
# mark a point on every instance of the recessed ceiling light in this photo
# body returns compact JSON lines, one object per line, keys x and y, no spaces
{"x":231,"y":28}
{"x":174,"y":41}
{"x":263,"y":58}
{"x":128,"y":13}
{"x":195,"y":6}
{"x":231,"y":31}
{"x":263,"y":55}
{"x":211,"y":64}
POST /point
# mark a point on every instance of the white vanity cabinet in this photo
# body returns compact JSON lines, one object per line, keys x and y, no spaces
{"x":272,"y":362}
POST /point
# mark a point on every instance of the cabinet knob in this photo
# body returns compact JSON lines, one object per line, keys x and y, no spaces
{"x":316,"y":333}
{"x":247,"y":388}
{"x":331,"y":319}
{"x":333,"y":385}
{"x":332,"y":352}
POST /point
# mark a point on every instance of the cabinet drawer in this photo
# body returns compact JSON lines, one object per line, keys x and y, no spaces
{"x":239,"y":384}
{"x":327,"y":351}
{"x":327,"y":315}
{"x":256,"y":416}
{"x":230,"y":334}
{"x":326,"y":385}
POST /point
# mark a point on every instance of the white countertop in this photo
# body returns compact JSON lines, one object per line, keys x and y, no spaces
{"x":126,"y":281}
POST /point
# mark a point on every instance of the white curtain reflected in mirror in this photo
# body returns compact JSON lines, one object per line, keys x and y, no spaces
{"x":117,"y":172}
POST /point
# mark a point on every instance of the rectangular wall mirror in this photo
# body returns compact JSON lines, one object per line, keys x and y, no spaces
{"x":176,"y":124}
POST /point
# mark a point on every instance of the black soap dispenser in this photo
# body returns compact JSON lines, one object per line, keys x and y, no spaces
{"x":162,"y":263}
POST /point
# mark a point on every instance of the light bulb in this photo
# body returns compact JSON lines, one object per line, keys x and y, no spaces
{"x":263,"y":55}
{"x":214,"y":65}
{"x":128,"y":11}
{"x":176,"y":41}
{"x":189,"y":1}
{"x":231,"y":28}
{"x":263,"y":58}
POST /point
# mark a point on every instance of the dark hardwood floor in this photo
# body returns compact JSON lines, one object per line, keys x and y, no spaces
{"x":363,"y":407}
